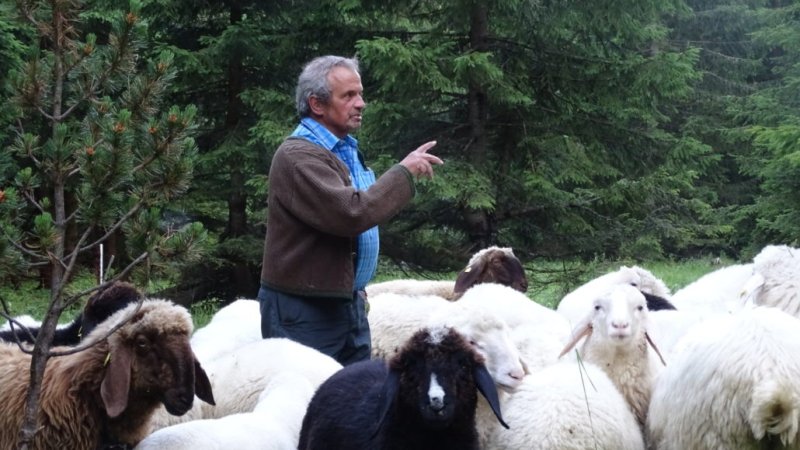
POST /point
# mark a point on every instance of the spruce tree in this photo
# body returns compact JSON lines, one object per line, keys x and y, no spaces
{"x":99,"y":156}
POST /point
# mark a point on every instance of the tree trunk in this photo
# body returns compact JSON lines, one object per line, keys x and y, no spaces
{"x":41,"y":347}
{"x":478,"y":221}
{"x":237,"y":199}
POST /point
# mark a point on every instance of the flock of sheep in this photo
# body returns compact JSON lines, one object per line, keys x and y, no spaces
{"x":473,"y":363}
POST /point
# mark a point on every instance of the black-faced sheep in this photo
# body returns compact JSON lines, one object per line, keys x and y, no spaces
{"x":106,"y":394}
{"x":489,"y":265}
{"x":423,"y":399}
{"x":100,"y":306}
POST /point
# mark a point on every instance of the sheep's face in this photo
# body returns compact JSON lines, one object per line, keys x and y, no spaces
{"x":437,"y":386}
{"x":506,"y":269}
{"x":150,"y":360}
{"x":619,"y":314}
{"x":501,"y":355}
{"x":436,"y":380}
{"x":492,"y":265}
{"x":163,"y":369}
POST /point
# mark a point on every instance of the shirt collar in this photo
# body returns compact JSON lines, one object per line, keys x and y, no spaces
{"x":322,"y":136}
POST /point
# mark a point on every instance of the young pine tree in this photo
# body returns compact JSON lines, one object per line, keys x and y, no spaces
{"x":98,"y":152}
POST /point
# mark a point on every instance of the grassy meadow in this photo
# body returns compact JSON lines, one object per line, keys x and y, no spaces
{"x":549,"y":281}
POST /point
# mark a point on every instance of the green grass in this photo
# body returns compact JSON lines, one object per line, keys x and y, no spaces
{"x":29,"y":299}
{"x":549,"y":281}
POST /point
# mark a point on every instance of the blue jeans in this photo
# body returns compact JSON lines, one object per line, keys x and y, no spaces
{"x":336,"y":327}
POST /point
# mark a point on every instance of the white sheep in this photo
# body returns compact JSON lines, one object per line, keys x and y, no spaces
{"x":567,"y":406}
{"x":617,"y":341}
{"x":573,"y":306}
{"x":233,"y":326}
{"x":239,"y":376}
{"x":393,"y":318}
{"x":106,"y":394}
{"x":413,"y":287}
{"x":489,"y":265}
{"x":733,"y":385}
{"x":538,"y":332}
{"x":722,"y":291}
{"x":776,"y":279}
{"x":274,"y":423}
{"x":717,"y":291}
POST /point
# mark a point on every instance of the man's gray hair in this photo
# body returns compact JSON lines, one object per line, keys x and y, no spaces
{"x":314,"y":80}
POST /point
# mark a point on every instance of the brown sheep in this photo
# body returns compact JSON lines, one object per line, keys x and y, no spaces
{"x":489,"y":265}
{"x":106,"y":394}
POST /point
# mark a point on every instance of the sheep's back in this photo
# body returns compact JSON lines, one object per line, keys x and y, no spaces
{"x":240,"y":376}
{"x":412,"y":287}
{"x":567,"y":406}
{"x":708,"y":397}
{"x":342,"y":409}
{"x":393,"y":318}
{"x":67,"y":415}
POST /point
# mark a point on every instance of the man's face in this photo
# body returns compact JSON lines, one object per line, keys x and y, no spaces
{"x":342,"y":113}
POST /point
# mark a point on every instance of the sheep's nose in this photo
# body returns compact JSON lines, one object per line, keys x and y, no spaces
{"x":435,"y":394}
{"x":437,"y":403}
{"x":620,"y":324}
{"x":517,"y":374}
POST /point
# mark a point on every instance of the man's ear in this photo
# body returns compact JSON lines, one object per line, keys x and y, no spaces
{"x":316,"y":105}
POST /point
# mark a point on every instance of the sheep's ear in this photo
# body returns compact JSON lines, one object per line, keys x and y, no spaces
{"x":117,"y":381}
{"x":751,"y":289}
{"x":486,"y":386}
{"x":582,"y":330}
{"x":525,"y":367}
{"x":469,"y":276}
{"x":656,"y":303}
{"x":202,"y":386}
{"x":655,"y":349}
{"x":386,"y":399}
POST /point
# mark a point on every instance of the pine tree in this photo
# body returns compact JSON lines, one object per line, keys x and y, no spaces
{"x":553,"y":120}
{"x":745,"y":107}
{"x":99,"y":156}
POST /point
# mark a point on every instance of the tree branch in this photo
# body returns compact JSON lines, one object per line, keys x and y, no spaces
{"x":113,"y":228}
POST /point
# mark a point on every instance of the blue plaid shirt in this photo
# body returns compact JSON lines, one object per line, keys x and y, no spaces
{"x":361,"y":176}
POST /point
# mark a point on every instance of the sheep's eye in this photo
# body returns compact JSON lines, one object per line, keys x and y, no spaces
{"x":475,"y":344}
{"x":640,"y":308}
{"x":597,"y":307}
{"x":141,"y":342}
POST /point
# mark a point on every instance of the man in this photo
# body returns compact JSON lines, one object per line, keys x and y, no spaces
{"x":324,"y":205}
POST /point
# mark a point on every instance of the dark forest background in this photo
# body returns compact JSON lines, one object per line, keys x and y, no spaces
{"x":570,"y":130}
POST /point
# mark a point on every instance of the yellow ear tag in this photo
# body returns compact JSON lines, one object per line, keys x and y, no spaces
{"x":108,"y":358}
{"x":468,"y":269}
